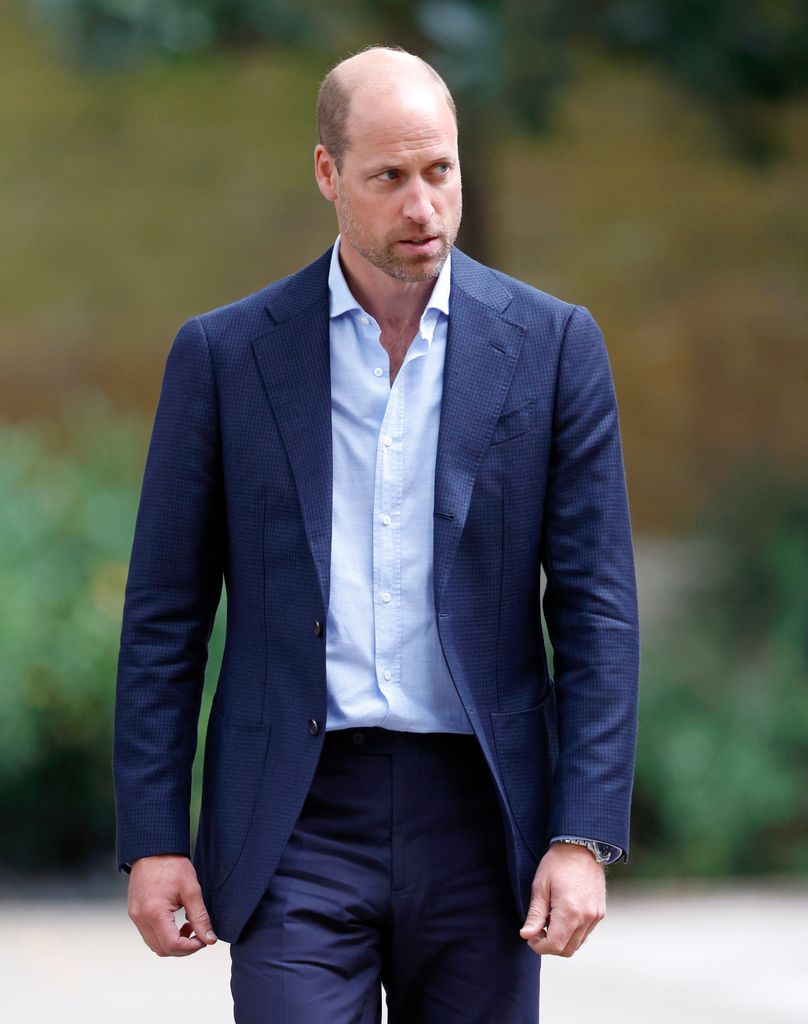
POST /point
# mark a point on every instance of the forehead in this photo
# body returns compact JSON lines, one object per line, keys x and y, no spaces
{"x":396,"y":122}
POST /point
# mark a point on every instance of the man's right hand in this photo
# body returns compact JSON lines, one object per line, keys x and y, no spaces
{"x":158,"y":887}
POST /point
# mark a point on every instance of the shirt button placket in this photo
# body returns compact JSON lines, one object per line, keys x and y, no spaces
{"x":393,"y":661}
{"x":388,"y":626}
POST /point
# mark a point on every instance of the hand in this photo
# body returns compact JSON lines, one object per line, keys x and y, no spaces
{"x":568,"y":899}
{"x":158,"y":887}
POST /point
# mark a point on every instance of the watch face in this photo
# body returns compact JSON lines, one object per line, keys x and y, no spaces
{"x":604,"y":851}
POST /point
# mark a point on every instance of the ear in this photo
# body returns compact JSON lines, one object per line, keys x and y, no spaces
{"x":326,"y":173}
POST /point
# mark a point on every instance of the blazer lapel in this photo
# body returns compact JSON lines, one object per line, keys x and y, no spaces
{"x":482,"y":349}
{"x":294,"y":363}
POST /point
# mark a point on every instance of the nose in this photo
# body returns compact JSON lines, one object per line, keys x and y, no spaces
{"x":418,"y":206}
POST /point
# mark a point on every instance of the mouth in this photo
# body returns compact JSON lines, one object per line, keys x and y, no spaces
{"x":421,"y":244}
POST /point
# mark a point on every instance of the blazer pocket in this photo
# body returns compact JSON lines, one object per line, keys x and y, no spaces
{"x":526,"y":744}
{"x":515,"y":422}
{"x":235,"y":754}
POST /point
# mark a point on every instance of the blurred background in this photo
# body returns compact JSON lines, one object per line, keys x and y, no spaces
{"x":648,"y":160}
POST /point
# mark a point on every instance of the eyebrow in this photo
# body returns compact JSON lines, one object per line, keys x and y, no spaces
{"x":380,"y":168}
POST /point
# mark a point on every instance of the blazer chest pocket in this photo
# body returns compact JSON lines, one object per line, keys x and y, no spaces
{"x":515,"y":422}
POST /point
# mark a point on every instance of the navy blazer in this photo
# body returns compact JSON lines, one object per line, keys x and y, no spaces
{"x":237,"y":487}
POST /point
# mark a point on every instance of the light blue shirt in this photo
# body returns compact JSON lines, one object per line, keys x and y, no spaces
{"x":384,"y":662}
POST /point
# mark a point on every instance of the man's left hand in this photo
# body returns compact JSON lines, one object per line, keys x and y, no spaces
{"x":568,"y":898}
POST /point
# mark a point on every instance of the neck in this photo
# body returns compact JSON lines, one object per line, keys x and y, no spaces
{"x":388,"y":300}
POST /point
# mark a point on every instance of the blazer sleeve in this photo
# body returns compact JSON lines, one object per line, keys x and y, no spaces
{"x":590,"y":602}
{"x":172,"y":593}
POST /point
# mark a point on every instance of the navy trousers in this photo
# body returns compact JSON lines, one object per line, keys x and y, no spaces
{"x":395,"y":873}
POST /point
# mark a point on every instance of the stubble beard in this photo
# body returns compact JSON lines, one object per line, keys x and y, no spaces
{"x":383,"y":254}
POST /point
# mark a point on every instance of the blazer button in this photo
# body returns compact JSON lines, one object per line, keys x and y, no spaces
{"x":318,"y":628}
{"x":314,"y":727}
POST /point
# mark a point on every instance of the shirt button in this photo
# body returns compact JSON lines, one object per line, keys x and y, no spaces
{"x":388,"y":674}
{"x":387,"y":440}
{"x":386,"y":520}
{"x":385,"y":597}
{"x":363,"y":320}
{"x":378,"y":371}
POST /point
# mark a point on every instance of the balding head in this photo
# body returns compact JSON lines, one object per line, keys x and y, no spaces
{"x":375,"y":72}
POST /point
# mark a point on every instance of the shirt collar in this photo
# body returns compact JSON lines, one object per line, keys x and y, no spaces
{"x":340,"y":299}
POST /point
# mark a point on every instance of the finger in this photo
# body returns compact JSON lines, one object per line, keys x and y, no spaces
{"x":537,"y":917}
{"x":575,"y":941}
{"x":196,"y":912}
{"x":556,"y":939}
{"x":565,"y":932}
{"x":169,"y":939}
{"x":569,"y":935}
{"x":143,"y":924}
{"x":148,"y":936}
{"x":142,"y":921}
{"x":592,"y":926}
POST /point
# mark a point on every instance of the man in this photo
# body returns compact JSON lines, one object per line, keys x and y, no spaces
{"x":377,"y":454}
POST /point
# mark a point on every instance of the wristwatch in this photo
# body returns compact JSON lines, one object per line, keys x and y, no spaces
{"x":602,"y":852}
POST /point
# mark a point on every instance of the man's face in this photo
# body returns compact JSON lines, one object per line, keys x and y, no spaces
{"x":398,"y":196}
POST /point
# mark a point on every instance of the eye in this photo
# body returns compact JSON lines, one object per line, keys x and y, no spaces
{"x":442,"y":168}
{"x":391,"y":174}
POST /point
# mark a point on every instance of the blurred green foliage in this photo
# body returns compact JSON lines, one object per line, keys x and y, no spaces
{"x":722,"y":770}
{"x":507,"y":63}
{"x":68,"y":498}
{"x":514,"y":56}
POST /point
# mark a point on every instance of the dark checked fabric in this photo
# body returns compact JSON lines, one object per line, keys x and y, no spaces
{"x":237,"y":492}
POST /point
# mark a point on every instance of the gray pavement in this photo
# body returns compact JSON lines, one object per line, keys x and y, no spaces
{"x":702,"y":954}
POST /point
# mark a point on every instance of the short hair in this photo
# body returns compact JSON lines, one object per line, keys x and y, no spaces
{"x":334,"y":101}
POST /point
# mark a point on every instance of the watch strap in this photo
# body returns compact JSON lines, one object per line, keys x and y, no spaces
{"x":604,"y":853}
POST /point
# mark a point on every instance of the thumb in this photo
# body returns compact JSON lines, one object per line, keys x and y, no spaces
{"x":537,"y":915}
{"x":198,"y":917}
